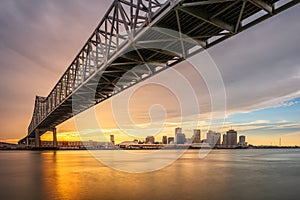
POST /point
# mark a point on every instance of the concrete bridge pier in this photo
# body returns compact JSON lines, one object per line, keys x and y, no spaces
{"x":37,"y":138}
{"x":54,"y":137}
{"x":29,"y":142}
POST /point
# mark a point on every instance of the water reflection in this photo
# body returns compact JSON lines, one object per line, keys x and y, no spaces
{"x":224,"y":174}
{"x":21,"y":175}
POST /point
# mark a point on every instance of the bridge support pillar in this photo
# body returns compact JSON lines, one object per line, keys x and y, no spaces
{"x":37,"y":138}
{"x":27,"y":142}
{"x":54,"y":137}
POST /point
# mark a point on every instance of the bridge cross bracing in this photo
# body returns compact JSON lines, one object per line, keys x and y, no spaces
{"x":121,"y":41}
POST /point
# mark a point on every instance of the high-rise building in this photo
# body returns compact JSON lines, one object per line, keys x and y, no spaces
{"x":231,"y":138}
{"x":224,"y":142}
{"x":242,"y":141}
{"x":164,"y":140}
{"x":150,"y":140}
{"x":170,"y":140}
{"x":180,"y":138}
{"x":112,"y":139}
{"x":178,"y":130}
{"x":213,"y":138}
{"x":197,"y":136}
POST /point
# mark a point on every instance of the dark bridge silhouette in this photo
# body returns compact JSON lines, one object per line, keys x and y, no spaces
{"x":121,"y":41}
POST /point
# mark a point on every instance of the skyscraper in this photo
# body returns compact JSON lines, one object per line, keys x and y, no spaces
{"x":170,"y":140}
{"x":213,"y":138}
{"x":150,"y":140}
{"x":242,"y":141}
{"x":112,"y":139}
{"x":224,"y":142}
{"x":178,"y":130}
{"x":197,"y":136}
{"x":231,"y":138}
{"x":164,"y":140}
{"x":180,"y":138}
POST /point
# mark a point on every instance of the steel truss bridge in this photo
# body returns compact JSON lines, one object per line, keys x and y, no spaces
{"x":121,"y":41}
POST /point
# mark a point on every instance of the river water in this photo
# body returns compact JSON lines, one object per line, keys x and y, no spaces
{"x":223,"y":174}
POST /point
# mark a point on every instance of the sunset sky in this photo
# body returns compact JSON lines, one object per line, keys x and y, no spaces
{"x":260,"y":69}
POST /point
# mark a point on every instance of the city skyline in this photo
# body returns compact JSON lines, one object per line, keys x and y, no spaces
{"x":213,"y":139}
{"x":229,"y":139}
{"x":256,"y":105}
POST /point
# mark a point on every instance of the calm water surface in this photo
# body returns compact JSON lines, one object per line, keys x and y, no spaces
{"x":223,"y":174}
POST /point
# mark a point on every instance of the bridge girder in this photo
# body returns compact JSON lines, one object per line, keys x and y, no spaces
{"x":101,"y":63}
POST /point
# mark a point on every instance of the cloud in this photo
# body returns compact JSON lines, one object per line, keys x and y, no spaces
{"x":288,"y":103}
{"x":257,"y":65}
{"x":266,"y":125}
{"x":283,"y":101}
{"x":259,"y":122}
{"x":286,"y":126}
{"x":296,"y":133}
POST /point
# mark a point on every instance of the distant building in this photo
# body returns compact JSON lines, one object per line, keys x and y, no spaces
{"x":126,"y":144}
{"x":165,"y":140}
{"x":5,"y":145}
{"x":170,"y":140}
{"x":213,"y":138}
{"x":197,"y":136}
{"x":178,"y":130}
{"x":112,"y":139}
{"x":231,"y":138}
{"x":189,"y":141}
{"x":78,"y":144}
{"x":180,"y":138}
{"x":135,"y":141}
{"x":224,"y":142}
{"x":242,"y":141}
{"x":150,"y":140}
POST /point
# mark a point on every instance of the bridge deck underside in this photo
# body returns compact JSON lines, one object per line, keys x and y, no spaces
{"x":207,"y":22}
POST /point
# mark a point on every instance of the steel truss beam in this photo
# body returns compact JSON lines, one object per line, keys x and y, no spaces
{"x":101,"y":61}
{"x":263,"y":5}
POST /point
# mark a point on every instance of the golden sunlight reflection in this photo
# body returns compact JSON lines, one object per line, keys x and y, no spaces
{"x":77,"y":175}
